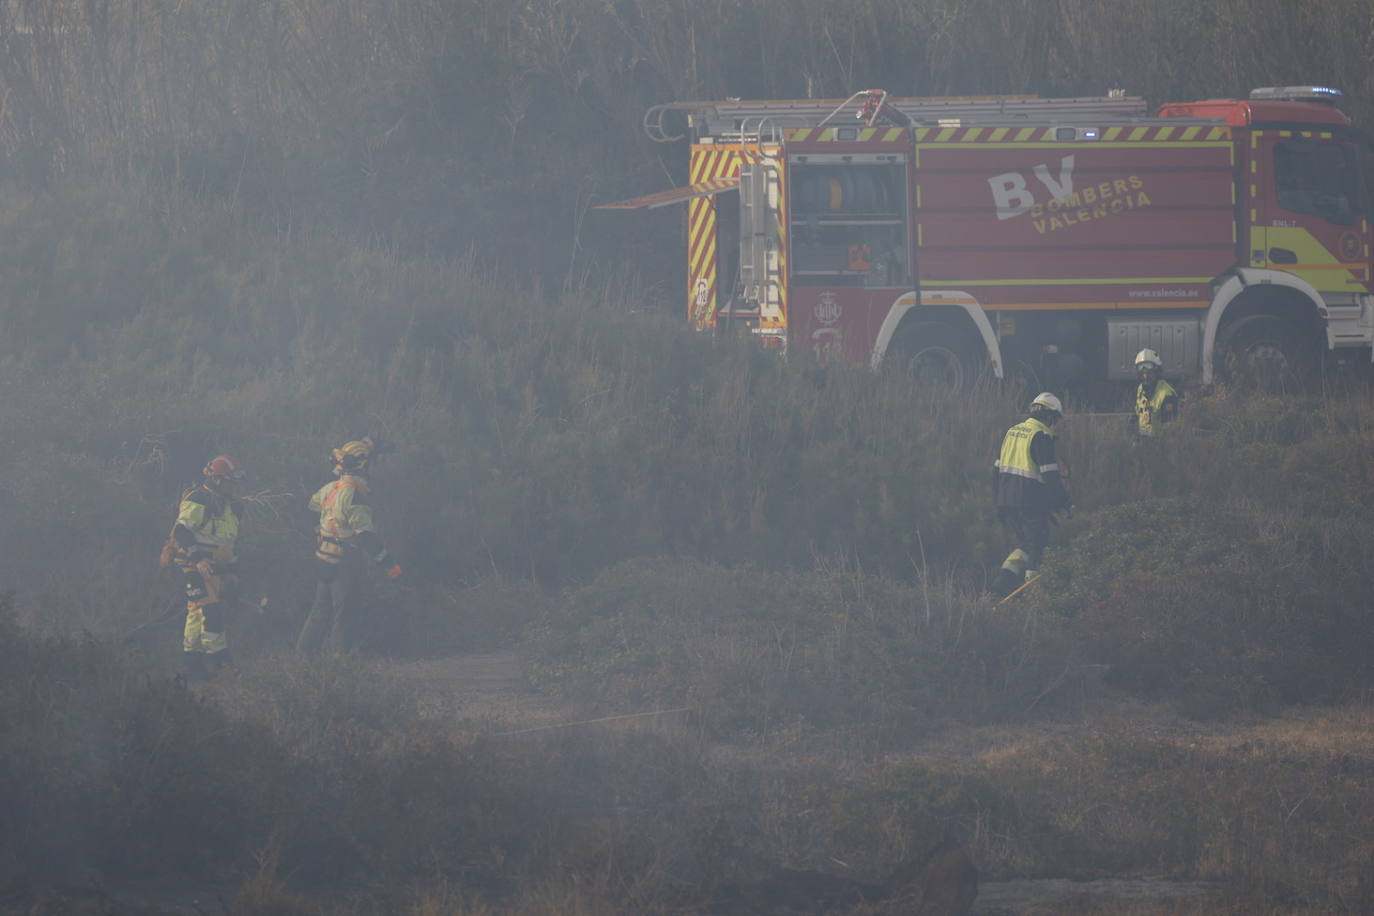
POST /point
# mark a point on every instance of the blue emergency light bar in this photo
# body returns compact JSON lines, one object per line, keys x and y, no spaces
{"x":1296,"y":94}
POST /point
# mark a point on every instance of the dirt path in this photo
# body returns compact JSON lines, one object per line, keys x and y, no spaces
{"x":488,"y":687}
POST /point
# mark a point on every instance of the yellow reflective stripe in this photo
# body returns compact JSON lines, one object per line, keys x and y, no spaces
{"x":329,"y":521}
{"x":1064,"y":144}
{"x":1080,"y":306}
{"x":1090,"y":281}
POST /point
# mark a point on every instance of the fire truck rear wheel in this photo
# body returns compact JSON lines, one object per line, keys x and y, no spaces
{"x":933,"y":354}
{"x":1264,"y":352}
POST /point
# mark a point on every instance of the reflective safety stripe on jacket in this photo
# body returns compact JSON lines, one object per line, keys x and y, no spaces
{"x":1147,"y":407}
{"x":1015,"y":457}
{"x":340,"y":517}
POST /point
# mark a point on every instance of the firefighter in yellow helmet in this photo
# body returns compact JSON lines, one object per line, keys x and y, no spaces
{"x":346,"y":541}
{"x":1156,"y":401}
{"x":1029,"y":490}
{"x":201,"y":547}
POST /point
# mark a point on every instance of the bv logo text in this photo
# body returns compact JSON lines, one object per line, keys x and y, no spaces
{"x":1012,"y":195}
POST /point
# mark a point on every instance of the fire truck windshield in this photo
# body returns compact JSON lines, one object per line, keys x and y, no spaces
{"x":1320,"y":179}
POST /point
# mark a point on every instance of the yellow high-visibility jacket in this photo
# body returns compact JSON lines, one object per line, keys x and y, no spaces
{"x":345,"y":519}
{"x":1150,"y":407}
{"x":206,"y":527}
{"x":1026,"y":468}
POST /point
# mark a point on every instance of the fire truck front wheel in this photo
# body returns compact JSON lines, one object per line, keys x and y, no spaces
{"x":1265,"y":352}
{"x":934,"y":354}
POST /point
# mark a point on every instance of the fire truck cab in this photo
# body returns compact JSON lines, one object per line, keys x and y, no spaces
{"x":1052,"y":238}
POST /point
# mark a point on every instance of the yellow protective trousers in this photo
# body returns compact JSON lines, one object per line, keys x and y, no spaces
{"x":195,"y":638}
{"x":212,"y":598}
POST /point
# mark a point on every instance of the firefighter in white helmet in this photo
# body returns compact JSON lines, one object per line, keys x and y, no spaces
{"x":1156,"y":401}
{"x":1029,"y":490}
{"x":201,"y":547}
{"x":346,"y":541}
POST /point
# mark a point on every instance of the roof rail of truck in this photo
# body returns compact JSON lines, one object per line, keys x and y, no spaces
{"x":729,"y":115}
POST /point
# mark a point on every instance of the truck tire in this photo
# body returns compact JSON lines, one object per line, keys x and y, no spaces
{"x":1266,"y":353}
{"x":934,"y":355}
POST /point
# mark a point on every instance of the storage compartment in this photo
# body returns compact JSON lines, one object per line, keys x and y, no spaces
{"x":1178,"y":343}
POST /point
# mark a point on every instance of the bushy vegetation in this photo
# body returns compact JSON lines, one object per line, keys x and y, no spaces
{"x":1244,"y":589}
{"x":1245,"y":586}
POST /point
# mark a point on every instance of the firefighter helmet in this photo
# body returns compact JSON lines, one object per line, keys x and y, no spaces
{"x":222,"y":466}
{"x":354,"y":455}
{"x":1148,"y":359}
{"x":1046,"y":401}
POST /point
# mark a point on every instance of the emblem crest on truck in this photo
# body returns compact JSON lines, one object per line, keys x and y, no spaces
{"x":827,"y":308}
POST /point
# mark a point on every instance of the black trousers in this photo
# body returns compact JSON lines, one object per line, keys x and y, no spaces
{"x":331,"y":626}
{"x":1031,"y":527}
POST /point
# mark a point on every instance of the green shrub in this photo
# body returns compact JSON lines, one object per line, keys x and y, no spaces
{"x":1216,"y":607}
{"x":1268,"y":816}
{"x":104,"y":768}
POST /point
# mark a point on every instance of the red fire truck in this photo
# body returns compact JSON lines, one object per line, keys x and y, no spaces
{"x":1048,"y":237}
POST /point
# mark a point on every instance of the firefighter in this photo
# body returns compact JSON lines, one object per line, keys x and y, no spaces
{"x":201,"y":547}
{"x":1029,"y":490}
{"x":346,"y":541}
{"x":1156,"y":401}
